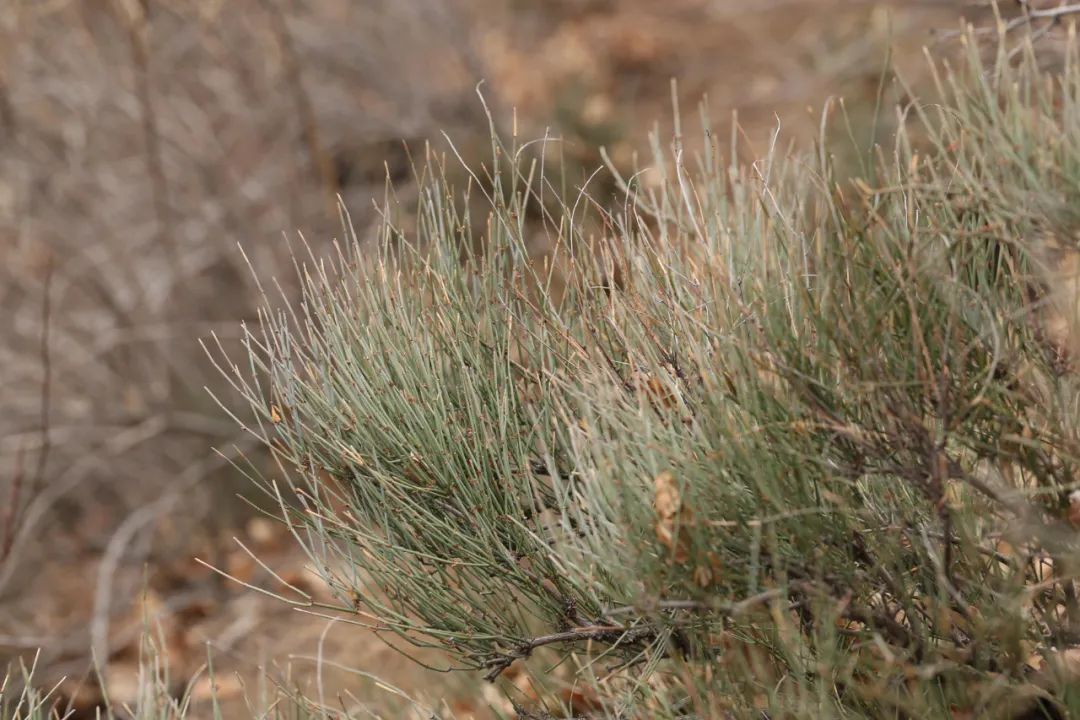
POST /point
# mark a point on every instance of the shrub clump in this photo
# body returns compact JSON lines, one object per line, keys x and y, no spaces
{"x":757,"y":439}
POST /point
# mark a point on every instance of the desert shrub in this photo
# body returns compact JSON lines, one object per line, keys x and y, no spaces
{"x":752,"y":441}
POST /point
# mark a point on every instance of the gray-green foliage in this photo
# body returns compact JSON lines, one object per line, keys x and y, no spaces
{"x":748,"y":438}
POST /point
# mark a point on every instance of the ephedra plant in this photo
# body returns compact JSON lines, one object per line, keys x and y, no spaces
{"x":748,"y":441}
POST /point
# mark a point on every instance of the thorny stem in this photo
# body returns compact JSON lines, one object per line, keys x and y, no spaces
{"x":11,"y":515}
{"x":614,"y":635}
{"x":619,"y":635}
{"x":137,"y":27}
{"x":320,"y":160}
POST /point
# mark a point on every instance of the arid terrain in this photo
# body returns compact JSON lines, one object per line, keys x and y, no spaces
{"x":144,"y":142}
